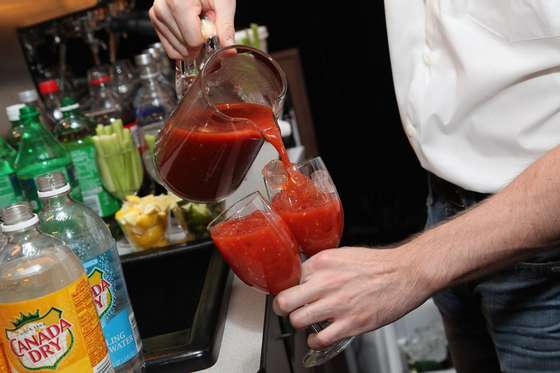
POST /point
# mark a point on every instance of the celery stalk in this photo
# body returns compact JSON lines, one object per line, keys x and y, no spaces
{"x":119,"y":160}
{"x":103,"y":167}
{"x":256,"y":38}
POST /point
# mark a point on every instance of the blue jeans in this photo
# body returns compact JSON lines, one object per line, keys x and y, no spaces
{"x":507,"y":322}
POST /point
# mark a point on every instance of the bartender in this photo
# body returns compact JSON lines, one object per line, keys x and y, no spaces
{"x":477,"y":85}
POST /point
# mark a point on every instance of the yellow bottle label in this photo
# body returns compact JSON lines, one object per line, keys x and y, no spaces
{"x":59,"y":332}
{"x":3,"y":363}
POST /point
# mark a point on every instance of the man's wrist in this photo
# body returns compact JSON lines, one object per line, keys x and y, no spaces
{"x":427,"y":265}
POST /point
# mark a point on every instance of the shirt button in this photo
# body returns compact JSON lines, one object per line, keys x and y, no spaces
{"x":410,"y":130}
{"x":428,"y":58}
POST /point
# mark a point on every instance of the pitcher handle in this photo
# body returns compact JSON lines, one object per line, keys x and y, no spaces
{"x":187,"y":70}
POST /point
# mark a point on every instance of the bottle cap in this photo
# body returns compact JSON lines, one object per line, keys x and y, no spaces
{"x":146,"y":65}
{"x":28,"y":96}
{"x":99,"y":79}
{"x":17,"y":217}
{"x":12,"y":112}
{"x":48,"y":86}
{"x":51,"y":185}
{"x":154,"y":53}
{"x":157,"y":46}
{"x":143,"y":59}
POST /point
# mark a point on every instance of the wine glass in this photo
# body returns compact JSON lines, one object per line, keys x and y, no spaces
{"x":307,"y":200}
{"x":257,"y":245}
{"x":305,"y":197}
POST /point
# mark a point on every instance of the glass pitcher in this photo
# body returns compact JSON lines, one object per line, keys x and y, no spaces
{"x":210,"y":141}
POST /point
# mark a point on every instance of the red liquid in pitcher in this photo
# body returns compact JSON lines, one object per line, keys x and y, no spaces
{"x":261,"y":250}
{"x":209,"y":162}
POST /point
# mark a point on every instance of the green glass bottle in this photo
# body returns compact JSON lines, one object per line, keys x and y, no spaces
{"x":6,"y":151}
{"x":40,"y":153}
{"x":74,"y":131}
{"x":9,"y":188}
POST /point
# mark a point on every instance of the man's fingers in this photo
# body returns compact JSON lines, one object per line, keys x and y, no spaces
{"x":318,"y":262}
{"x":164,"y":15}
{"x":311,"y":313}
{"x":171,"y":52}
{"x":295,"y":297}
{"x":225,"y":13}
{"x":328,"y":336}
{"x":187,"y":15}
{"x":172,"y":43}
{"x":306,"y":272}
{"x":288,"y":300}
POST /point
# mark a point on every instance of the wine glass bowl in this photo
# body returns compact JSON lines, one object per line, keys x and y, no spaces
{"x":257,"y":245}
{"x":307,"y":200}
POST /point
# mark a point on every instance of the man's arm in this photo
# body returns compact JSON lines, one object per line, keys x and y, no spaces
{"x":363,"y":289}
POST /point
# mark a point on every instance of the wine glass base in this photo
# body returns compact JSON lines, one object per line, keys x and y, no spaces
{"x":318,"y":357}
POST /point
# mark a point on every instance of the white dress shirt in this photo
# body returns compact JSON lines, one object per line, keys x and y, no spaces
{"x":478,"y":84}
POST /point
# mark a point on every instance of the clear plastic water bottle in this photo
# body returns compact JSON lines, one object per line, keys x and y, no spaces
{"x":124,"y":81}
{"x":104,"y":105}
{"x":85,"y":233}
{"x":161,"y":63}
{"x":164,"y":64}
{"x":153,"y":102}
{"x":51,"y":97}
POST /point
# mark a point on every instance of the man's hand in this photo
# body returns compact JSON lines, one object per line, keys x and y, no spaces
{"x":363,"y":289}
{"x":177,"y":23}
{"x":357,"y":289}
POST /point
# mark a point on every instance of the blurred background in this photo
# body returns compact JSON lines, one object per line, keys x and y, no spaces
{"x":347,"y":72}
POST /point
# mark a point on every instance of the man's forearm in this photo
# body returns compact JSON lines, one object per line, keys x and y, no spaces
{"x":516,"y":222}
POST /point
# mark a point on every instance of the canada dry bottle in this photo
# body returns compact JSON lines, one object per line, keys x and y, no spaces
{"x":4,"y":368}
{"x":48,"y":320}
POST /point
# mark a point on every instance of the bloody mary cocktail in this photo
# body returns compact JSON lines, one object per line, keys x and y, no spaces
{"x":315,"y":217}
{"x":260,"y":249}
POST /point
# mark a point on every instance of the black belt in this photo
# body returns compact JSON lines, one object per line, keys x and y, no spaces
{"x":452,"y":193}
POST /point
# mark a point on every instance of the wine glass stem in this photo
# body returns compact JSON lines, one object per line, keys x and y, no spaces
{"x":318,"y":357}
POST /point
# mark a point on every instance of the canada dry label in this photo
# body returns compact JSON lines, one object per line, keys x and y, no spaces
{"x":58,"y":332}
{"x":109,"y":295}
{"x":3,"y":363}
